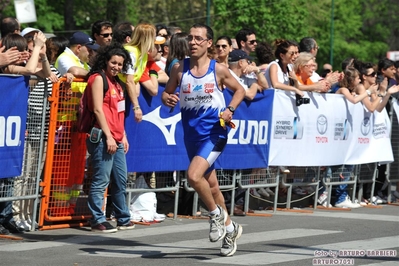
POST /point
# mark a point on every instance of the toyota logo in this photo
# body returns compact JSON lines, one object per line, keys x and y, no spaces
{"x":322,"y":124}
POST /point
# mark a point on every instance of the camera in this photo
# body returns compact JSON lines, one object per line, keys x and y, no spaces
{"x":299,"y":100}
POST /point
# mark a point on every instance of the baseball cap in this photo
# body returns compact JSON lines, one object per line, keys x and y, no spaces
{"x":28,"y":30}
{"x":159,"y":40}
{"x":238,"y":54}
{"x":83,"y":39}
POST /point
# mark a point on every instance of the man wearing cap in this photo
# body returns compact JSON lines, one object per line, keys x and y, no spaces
{"x":75,"y":58}
{"x":29,"y":32}
{"x":240,"y":65}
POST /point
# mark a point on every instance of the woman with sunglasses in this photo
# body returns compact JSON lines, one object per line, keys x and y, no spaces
{"x":278,"y":72}
{"x":304,"y":67}
{"x":223,"y":48}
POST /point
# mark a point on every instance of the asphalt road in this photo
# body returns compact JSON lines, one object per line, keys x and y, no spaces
{"x":287,"y":238}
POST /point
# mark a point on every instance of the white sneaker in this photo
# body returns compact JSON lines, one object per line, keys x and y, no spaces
{"x":322,"y":198}
{"x":23,"y":225}
{"x":347,"y":204}
{"x":378,"y":200}
{"x":326,"y":205}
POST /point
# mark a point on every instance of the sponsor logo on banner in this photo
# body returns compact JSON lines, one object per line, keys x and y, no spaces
{"x":166,"y":125}
{"x":322,"y":126}
{"x":341,"y":129}
{"x":365,"y":127}
{"x":10,"y":131}
{"x":288,"y":128}
{"x":380,"y":130}
{"x":248,"y":132}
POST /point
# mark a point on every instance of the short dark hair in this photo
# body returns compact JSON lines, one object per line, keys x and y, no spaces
{"x":98,"y":25}
{"x":307,"y":44}
{"x":385,"y":63}
{"x":264,"y":53}
{"x":121,"y":31}
{"x":209,"y":31}
{"x":9,"y":25}
{"x":242,"y":35}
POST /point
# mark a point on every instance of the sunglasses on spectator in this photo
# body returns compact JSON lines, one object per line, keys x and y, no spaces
{"x":105,"y":35}
{"x":292,"y":53}
{"x":224,"y":46}
{"x":372,"y":74}
{"x":252,"y":41}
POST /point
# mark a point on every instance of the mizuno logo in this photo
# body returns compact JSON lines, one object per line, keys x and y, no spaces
{"x":155,"y":118}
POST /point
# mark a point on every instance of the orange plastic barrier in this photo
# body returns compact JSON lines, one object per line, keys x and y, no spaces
{"x":66,"y":179}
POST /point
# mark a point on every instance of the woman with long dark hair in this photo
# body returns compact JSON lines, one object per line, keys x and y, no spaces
{"x":107,"y":143}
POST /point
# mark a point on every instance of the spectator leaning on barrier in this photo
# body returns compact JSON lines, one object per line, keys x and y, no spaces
{"x":304,"y":68}
{"x":75,"y":58}
{"x":204,"y":136}
{"x":108,"y":144}
{"x":152,"y":74}
{"x":8,"y":224}
{"x":240,"y":65}
{"x":141,"y":43}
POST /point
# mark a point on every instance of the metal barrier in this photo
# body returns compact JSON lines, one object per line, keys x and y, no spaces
{"x":305,"y":177}
{"x":159,"y":182}
{"x":260,"y":178}
{"x":23,"y":192}
{"x":367,"y":174}
{"x":392,"y":171}
{"x":227,"y":181}
{"x":340,"y":175}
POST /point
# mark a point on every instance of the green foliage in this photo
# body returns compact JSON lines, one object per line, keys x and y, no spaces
{"x":362,"y":29}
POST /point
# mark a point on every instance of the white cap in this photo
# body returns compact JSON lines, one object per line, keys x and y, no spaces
{"x":28,"y":30}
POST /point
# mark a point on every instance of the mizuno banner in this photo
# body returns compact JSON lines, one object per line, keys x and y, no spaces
{"x":156,"y":143}
{"x":14,"y":95}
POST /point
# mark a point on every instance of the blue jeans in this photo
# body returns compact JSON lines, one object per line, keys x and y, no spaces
{"x":103,"y":164}
{"x":6,"y":191}
{"x":341,"y":192}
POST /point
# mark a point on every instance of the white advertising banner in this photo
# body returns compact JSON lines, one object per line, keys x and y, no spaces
{"x":328,"y":131}
{"x":395,"y":106}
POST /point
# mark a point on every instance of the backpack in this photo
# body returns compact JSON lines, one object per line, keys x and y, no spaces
{"x":86,"y":117}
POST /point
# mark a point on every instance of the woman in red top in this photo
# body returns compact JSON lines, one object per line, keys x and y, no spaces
{"x":107,"y":143}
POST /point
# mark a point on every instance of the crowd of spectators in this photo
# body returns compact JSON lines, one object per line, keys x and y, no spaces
{"x":157,"y":49}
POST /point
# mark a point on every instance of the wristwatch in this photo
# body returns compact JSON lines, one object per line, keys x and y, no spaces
{"x":231,"y":108}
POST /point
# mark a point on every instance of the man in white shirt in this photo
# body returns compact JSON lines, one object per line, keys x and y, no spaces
{"x":75,"y":58}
